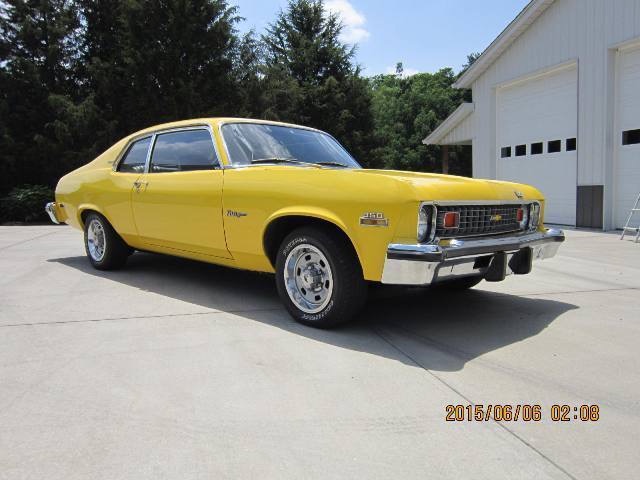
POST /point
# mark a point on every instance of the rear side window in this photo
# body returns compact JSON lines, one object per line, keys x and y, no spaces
{"x":135,"y":157}
{"x":183,"y":151}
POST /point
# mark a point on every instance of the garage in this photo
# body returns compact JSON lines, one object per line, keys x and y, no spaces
{"x":536,"y":130}
{"x":627,"y":176}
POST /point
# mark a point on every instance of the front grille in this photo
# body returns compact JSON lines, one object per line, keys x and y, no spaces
{"x":478,"y":220}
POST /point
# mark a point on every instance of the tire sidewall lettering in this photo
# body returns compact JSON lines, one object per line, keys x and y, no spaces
{"x":310,"y":317}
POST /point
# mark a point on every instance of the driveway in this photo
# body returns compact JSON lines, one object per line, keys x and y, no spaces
{"x":175,"y":369}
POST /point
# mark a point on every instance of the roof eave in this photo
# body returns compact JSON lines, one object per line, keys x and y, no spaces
{"x":517,"y":26}
{"x":449,"y":123}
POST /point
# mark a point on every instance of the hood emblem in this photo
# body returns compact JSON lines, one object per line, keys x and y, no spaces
{"x":518,"y":194}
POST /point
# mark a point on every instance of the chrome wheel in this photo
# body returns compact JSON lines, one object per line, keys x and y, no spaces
{"x":308,"y":278}
{"x":96,"y":240}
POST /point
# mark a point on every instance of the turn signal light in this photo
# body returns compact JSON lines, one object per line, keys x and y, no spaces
{"x":520,"y":215}
{"x":451,"y":220}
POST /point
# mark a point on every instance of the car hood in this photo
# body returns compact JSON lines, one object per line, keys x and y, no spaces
{"x":431,"y":186}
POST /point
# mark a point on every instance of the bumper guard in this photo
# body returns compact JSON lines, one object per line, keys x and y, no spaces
{"x":492,"y":258}
{"x":50,"y":208}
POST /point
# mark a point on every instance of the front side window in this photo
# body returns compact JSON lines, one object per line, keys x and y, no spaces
{"x":187,"y":150}
{"x":255,"y":143}
{"x":136,"y":156}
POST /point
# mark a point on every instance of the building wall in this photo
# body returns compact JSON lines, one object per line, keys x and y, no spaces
{"x":461,"y":134}
{"x":586,"y":31}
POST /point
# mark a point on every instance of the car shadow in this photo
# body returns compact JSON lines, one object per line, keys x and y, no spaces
{"x":434,"y":329}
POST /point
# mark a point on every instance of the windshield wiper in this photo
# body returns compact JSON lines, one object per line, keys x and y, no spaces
{"x":332,"y":164}
{"x":282,"y":160}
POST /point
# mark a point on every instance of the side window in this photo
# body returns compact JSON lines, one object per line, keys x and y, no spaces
{"x":183,"y":151}
{"x":136,"y":157}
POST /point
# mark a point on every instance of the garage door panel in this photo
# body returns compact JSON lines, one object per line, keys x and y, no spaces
{"x":541,"y":110}
{"x":627,"y":167}
{"x":560,"y":200}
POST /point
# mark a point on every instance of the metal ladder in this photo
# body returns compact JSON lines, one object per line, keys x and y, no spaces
{"x":626,"y":225}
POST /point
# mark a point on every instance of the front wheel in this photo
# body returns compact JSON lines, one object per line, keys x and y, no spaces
{"x":319,"y":278}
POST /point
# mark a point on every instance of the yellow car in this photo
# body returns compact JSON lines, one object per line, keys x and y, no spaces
{"x":290,"y":200}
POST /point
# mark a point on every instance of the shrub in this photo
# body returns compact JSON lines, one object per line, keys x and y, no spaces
{"x":25,"y":203}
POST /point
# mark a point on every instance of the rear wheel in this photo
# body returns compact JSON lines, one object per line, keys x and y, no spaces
{"x":319,"y":278}
{"x":105,"y":249}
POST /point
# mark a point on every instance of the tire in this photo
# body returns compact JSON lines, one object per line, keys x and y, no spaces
{"x":104,"y":247}
{"x":458,"y":284}
{"x":319,"y":278}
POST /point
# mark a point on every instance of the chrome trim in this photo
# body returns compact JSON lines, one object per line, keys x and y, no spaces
{"x":434,"y":219}
{"x":131,"y":141}
{"x":50,"y":208}
{"x":457,"y":203}
{"x":454,"y":203}
{"x":147,"y":161}
{"x":423,"y":264}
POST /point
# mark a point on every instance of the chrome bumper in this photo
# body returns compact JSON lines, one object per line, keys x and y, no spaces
{"x":50,"y":208}
{"x":492,"y":258}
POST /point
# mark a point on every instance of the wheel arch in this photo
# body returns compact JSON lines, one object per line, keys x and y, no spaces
{"x":280,"y":225}
{"x":86,"y":209}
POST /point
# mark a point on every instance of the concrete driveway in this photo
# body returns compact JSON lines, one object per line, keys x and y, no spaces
{"x":175,"y":369}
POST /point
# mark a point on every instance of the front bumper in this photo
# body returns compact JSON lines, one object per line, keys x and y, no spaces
{"x":51,"y":210}
{"x":491,"y":257}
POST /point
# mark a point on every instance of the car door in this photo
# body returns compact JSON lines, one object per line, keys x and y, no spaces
{"x":177,"y":203}
{"x":115,"y":194}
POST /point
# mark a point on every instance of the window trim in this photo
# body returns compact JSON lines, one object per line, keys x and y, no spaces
{"x":155,"y":133}
{"x":127,"y":147}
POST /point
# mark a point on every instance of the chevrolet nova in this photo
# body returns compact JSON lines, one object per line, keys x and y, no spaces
{"x":290,"y":200}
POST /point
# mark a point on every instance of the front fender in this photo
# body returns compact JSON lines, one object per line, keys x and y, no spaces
{"x":317,"y":213}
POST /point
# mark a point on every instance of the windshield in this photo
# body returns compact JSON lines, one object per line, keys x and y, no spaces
{"x":249,"y":143}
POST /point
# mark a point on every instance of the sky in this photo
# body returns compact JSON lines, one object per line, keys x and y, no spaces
{"x":425,"y":35}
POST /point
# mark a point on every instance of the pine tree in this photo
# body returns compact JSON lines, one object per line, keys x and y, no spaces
{"x":39,"y":40}
{"x":310,"y":76}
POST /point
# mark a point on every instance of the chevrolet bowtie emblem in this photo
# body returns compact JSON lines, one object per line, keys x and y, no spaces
{"x":495,"y":218}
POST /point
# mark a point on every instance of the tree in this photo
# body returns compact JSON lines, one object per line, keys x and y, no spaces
{"x":310,"y":76}
{"x":407,"y":109}
{"x":38,"y":47}
{"x":471,"y":58}
{"x":151,"y":61}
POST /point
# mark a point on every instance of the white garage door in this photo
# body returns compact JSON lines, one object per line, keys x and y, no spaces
{"x":627,"y":178}
{"x":536,"y":125}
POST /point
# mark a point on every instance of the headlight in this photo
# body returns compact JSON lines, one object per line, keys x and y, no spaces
{"x":425,"y":217}
{"x":534,"y":216}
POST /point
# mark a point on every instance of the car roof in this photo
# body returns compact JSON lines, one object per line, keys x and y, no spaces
{"x":215,"y":121}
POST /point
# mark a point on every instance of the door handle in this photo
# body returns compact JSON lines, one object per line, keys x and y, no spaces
{"x":138,"y":184}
